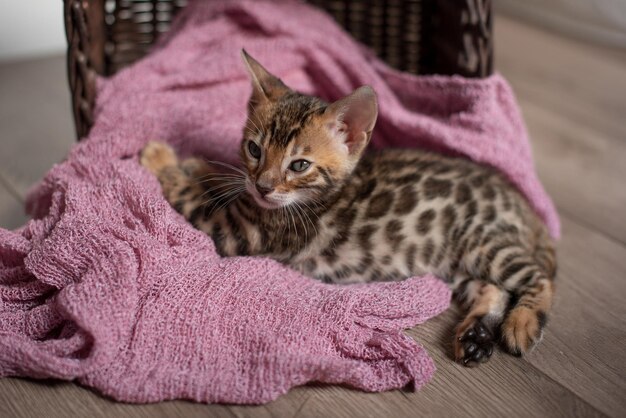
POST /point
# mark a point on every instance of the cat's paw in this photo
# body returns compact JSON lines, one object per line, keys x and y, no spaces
{"x":522,"y":329}
{"x":473,"y":342}
{"x":156,"y":156}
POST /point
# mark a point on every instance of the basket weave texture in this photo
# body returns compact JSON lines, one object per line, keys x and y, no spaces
{"x":418,"y":36}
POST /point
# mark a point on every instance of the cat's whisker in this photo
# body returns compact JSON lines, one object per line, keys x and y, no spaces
{"x":222,"y":193}
{"x":220,"y":182}
{"x":287,"y":218}
{"x":213,"y":176}
{"x":311,"y":211}
{"x":240,"y":173}
{"x":253,"y":132}
{"x":295,"y":226}
{"x":215,"y":173}
{"x":259,"y":132}
{"x":225,"y":193}
{"x":315,"y":201}
{"x":226,"y":165}
{"x":222,"y":188}
{"x":253,"y":123}
{"x":310,"y":222}
{"x":304,"y":212}
{"x":228,"y":198}
{"x":286,"y":225}
{"x":314,"y":224}
{"x":216,"y":200}
{"x":288,"y":222}
{"x":306,"y":216}
{"x":297,"y":211}
{"x":228,"y":201}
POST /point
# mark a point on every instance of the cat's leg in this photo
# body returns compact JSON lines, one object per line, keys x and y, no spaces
{"x":523,"y":327}
{"x":202,"y":196}
{"x":528,"y":276}
{"x":161,"y":160}
{"x":179,"y":180}
{"x":486,"y":305}
{"x":156,"y":156}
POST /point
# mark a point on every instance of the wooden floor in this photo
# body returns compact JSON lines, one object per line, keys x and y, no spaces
{"x":573,"y":96}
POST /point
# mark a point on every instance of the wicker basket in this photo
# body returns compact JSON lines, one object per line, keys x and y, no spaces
{"x":419,"y":36}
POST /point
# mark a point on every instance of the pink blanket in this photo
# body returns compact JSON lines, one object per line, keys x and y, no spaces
{"x":109,"y":286}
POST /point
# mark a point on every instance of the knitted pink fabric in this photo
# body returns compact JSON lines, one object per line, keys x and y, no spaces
{"x":109,"y":286}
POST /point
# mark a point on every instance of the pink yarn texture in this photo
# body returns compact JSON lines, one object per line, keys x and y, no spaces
{"x":109,"y":286}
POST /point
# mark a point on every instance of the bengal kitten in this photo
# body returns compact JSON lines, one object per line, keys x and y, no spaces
{"x":311,"y":198}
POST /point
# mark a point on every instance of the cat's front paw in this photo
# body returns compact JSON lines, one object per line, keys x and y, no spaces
{"x":156,"y":156}
{"x":473,"y":343}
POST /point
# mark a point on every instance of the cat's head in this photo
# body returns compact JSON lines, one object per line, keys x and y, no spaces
{"x":297,"y":148}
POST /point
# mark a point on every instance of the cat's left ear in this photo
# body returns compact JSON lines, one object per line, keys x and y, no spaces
{"x":265,"y":86}
{"x":352,"y":119}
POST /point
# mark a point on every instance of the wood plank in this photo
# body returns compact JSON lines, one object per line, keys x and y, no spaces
{"x":35,"y":118}
{"x":582,"y":168}
{"x":583,"y":344}
{"x":12,"y":214}
{"x":573,"y":96}
{"x":29,"y":398}
{"x":11,"y":207}
{"x":506,"y":386}
{"x":582,"y":81}
{"x":573,"y":100}
{"x":285,"y":406}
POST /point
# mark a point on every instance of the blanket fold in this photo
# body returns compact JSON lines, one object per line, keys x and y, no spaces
{"x":109,"y":286}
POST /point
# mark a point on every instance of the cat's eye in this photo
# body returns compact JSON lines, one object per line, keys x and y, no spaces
{"x":254,"y":150}
{"x":299,"y":165}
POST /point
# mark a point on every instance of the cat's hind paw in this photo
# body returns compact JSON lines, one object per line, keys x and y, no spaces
{"x":156,"y":156}
{"x":473,"y":343}
{"x":522,"y":330}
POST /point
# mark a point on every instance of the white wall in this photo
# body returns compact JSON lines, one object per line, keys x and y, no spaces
{"x":30,"y":28}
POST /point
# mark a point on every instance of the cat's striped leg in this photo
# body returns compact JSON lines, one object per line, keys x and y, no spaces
{"x":202,"y":195}
{"x":476,"y":335}
{"x":524,"y":323}
{"x":528,"y":276}
{"x":179,"y":180}
{"x":160,"y":159}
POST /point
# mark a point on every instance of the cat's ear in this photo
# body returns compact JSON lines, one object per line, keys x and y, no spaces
{"x":265,"y":86}
{"x":352,"y":118}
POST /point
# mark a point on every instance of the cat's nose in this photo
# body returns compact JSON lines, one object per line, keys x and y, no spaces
{"x":263,"y":190}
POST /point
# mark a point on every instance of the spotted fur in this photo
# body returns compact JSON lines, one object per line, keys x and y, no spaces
{"x":354,"y":217}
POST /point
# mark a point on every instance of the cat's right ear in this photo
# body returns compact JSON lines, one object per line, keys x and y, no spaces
{"x":265,"y":86}
{"x":352,"y":119}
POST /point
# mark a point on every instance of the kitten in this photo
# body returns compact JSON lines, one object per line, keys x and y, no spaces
{"x":311,"y":198}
